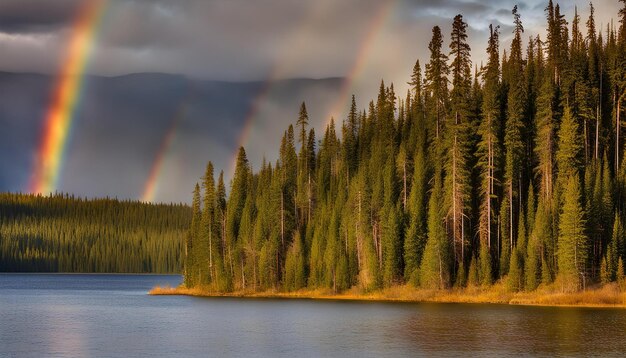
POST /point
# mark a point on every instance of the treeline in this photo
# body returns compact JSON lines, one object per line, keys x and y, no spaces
{"x":511,"y":172}
{"x":61,"y":233}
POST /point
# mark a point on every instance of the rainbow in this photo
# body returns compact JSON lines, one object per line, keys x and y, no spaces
{"x":252,"y":113}
{"x":65,"y":98}
{"x":375,"y":25}
{"x":373,"y":29}
{"x":151,"y":185}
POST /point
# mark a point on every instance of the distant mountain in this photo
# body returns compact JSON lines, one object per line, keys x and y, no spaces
{"x":121,"y":122}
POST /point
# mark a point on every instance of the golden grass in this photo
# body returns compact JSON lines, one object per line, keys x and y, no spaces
{"x":604,"y":296}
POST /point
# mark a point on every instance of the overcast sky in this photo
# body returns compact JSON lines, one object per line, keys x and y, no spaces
{"x":250,"y":40}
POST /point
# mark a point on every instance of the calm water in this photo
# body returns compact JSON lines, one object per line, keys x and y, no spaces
{"x":112,"y":316}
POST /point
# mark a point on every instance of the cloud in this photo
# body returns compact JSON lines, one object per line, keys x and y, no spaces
{"x":27,"y":16}
{"x":232,"y":40}
{"x":244,"y":40}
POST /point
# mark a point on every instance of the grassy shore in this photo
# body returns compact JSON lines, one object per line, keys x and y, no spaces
{"x":601,"y":296}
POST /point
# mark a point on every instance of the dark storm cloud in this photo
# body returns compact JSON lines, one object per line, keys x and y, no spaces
{"x":19,"y":16}
{"x":234,"y":40}
{"x":242,"y":40}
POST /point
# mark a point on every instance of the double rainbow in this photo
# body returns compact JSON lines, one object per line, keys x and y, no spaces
{"x":60,"y":115}
{"x":66,"y":96}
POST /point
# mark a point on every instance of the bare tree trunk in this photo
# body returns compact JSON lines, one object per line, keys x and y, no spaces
{"x":308,"y":219}
{"x":454,"y":238}
{"x":282,"y":219}
{"x":404,"y":181}
{"x":358,"y":235}
{"x":598,"y":115}
{"x":230,"y":258}
{"x":586,"y":142}
{"x":618,"y":124}
{"x":489,"y":178}
{"x":511,"y":214}
{"x":211,"y":253}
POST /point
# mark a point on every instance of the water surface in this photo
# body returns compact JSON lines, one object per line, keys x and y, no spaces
{"x":112,"y":316}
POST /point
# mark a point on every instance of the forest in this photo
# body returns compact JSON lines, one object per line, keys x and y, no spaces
{"x":511,"y":173}
{"x":61,"y":233}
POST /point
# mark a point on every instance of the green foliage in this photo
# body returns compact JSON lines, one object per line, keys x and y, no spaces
{"x":434,"y":268}
{"x":605,"y":273}
{"x":514,"y":279}
{"x":573,"y":246}
{"x":484,"y":261}
{"x":620,"y":276}
{"x":570,"y":146}
{"x":294,"y":266}
{"x":473,"y":279}
{"x":62,"y":233}
{"x":415,"y":237}
{"x":465,"y":180}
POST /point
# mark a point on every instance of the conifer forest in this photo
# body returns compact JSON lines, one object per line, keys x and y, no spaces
{"x":512,"y":171}
{"x":62,"y":233}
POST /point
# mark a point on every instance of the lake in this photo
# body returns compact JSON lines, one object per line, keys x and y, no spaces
{"x":112,"y":316}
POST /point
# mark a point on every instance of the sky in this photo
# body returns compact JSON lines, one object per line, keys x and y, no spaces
{"x":362,"y":41}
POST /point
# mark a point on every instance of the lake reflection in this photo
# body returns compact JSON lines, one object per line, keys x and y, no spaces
{"x":111,"y":315}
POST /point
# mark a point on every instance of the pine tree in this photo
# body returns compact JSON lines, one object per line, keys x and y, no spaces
{"x":545,"y":141}
{"x":572,"y":245}
{"x":473,"y":279}
{"x":191,"y":251}
{"x":514,"y":128}
{"x":392,"y":241}
{"x":514,"y":279}
{"x":437,"y":82}
{"x":434,"y":268}
{"x":484,"y":261}
{"x":535,"y":250}
{"x":569,"y":147}
{"x":234,"y":213}
{"x":620,"y":275}
{"x":489,"y":144}
{"x":415,"y":236}
{"x":208,"y":225}
{"x":457,"y":182}
{"x":504,"y":240}
{"x":294,"y":265}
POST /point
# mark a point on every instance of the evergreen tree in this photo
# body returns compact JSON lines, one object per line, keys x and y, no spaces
{"x":208,"y":226}
{"x":191,"y":253}
{"x":457,"y":182}
{"x":472,"y":278}
{"x":488,"y":148}
{"x":434,"y":268}
{"x":234,"y":213}
{"x":514,"y":279}
{"x":436,"y":82}
{"x":412,"y":186}
{"x":415,"y":236}
{"x":514,"y":129}
{"x":294,"y":266}
{"x":569,"y":148}
{"x":573,"y":247}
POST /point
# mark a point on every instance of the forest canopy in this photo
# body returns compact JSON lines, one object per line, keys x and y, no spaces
{"x":61,"y":233}
{"x":512,"y":172}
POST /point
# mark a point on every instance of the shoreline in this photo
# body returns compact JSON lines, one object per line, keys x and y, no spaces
{"x":607,"y":296}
